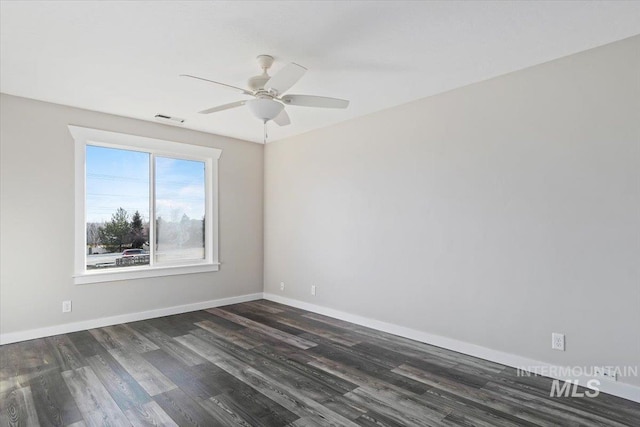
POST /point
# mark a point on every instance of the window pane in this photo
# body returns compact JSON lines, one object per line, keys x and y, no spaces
{"x":117,"y":208}
{"x":180,"y":208}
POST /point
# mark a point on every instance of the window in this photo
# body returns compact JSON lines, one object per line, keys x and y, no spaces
{"x":144,"y":207}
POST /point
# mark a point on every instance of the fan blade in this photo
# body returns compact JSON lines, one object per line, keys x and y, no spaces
{"x":246,"y":92}
{"x":285,"y":78}
{"x":223,"y":107}
{"x":314,"y":101}
{"x":282,"y":119}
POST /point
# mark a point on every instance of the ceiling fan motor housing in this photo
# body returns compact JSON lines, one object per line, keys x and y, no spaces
{"x":256,"y":83}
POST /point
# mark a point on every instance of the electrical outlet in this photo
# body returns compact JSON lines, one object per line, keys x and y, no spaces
{"x":282,"y":286}
{"x":313,"y":290}
{"x":607,"y":372}
{"x":557,"y":341}
{"x":66,"y":306}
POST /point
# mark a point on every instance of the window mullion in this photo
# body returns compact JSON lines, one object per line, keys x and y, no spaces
{"x":152,"y":209}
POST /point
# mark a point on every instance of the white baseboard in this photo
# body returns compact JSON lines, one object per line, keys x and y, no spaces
{"x":620,"y":389}
{"x":122,"y":318}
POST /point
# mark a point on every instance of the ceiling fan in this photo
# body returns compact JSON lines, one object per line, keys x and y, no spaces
{"x":268,"y":93}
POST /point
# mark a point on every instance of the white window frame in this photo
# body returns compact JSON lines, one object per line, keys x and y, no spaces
{"x":157,"y":147}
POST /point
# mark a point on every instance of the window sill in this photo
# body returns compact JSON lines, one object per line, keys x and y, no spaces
{"x":141,"y":273}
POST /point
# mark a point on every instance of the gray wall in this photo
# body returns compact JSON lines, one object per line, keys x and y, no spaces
{"x":37,"y":221}
{"x":494,"y":214}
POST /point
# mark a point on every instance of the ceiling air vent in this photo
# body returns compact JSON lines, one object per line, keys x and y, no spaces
{"x":165,"y":118}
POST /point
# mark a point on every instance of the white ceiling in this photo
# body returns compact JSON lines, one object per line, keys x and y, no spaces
{"x":124,"y":57}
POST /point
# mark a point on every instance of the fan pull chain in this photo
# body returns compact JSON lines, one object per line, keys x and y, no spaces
{"x":264,"y":141}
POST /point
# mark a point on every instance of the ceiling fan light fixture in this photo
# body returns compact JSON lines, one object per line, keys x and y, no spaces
{"x":269,"y":94}
{"x":265,"y":109}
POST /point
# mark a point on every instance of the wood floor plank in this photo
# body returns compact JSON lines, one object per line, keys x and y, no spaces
{"x":451,"y":374}
{"x":123,"y":388}
{"x":305,"y":377}
{"x":226,"y":324}
{"x":374,"y":419}
{"x":389,"y":405}
{"x":295,"y":379}
{"x":65,"y":352}
{"x":172,"y":326}
{"x":200,"y":346}
{"x":345,"y":407}
{"x":250,"y":404}
{"x":283,"y":395}
{"x":26,"y":359}
{"x":92,"y":398}
{"x":275,"y":333}
{"x":475,"y":400}
{"x":256,"y":408}
{"x":167,"y":343}
{"x":536,"y":387}
{"x":264,"y":306}
{"x":375,"y":356}
{"x":123,"y":336}
{"x":223,"y":414}
{"x":86,"y":344}
{"x":551,"y":407}
{"x":284,"y":352}
{"x":216,"y":379}
{"x":179,"y":324}
{"x":316,"y":384}
{"x":379,"y":388}
{"x":149,"y":414}
{"x":467,"y":420}
{"x":367,"y":365}
{"x":404,"y":345}
{"x":232,"y":336}
{"x":183,"y":410}
{"x":340,"y":338}
{"x":393,"y":358}
{"x":9,"y":364}
{"x":222,"y":345}
{"x":17,"y":408}
{"x":290,"y":310}
{"x":262,"y":317}
{"x":179,"y":374}
{"x":307,"y":422}
{"x":105,"y":339}
{"x":150,"y":378}
{"x":319,"y":377}
{"x":13,"y":383}
{"x":54,"y":404}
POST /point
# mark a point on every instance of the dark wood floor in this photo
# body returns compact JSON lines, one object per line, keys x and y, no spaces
{"x":262,"y":363}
